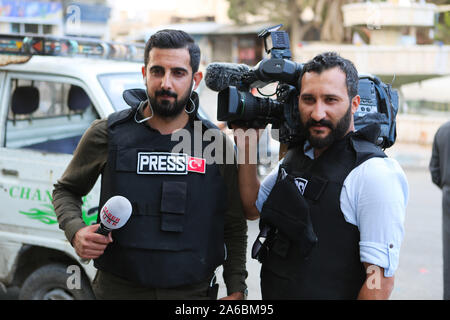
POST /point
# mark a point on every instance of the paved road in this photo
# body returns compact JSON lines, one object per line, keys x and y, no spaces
{"x":419,"y":275}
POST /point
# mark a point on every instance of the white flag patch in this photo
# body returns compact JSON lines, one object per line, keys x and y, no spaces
{"x":301,"y":184}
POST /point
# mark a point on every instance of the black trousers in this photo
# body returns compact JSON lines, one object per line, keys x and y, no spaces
{"x":446,"y":240}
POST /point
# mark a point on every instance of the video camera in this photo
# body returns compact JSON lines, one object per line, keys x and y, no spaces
{"x":379,"y":102}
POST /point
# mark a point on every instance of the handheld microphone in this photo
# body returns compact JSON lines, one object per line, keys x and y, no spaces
{"x":221,"y":75}
{"x":114,"y":214}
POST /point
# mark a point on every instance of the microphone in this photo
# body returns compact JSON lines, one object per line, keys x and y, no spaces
{"x":221,"y":75}
{"x":114,"y":214}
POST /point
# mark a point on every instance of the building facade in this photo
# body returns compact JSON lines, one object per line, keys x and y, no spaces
{"x":52,"y":17}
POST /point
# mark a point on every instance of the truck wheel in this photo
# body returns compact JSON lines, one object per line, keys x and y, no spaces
{"x":50,"y":282}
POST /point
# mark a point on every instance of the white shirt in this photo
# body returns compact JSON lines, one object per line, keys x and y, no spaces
{"x":373,"y":198}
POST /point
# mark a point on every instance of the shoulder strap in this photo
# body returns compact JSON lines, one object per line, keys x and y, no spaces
{"x":365,"y":149}
{"x":133,"y":97}
{"x":295,"y":160}
{"x":120,"y":117}
{"x":206,"y":123}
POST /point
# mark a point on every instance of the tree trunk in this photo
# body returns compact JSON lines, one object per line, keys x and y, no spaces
{"x":294,"y":23}
{"x":333,"y":26}
{"x":318,"y":11}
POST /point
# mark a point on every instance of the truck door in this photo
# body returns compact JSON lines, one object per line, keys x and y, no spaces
{"x":41,"y":127}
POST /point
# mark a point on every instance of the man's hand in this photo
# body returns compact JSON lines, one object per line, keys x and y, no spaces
{"x":376,"y":286}
{"x":88,"y":244}
{"x":234,"y":296}
{"x":246,"y":140}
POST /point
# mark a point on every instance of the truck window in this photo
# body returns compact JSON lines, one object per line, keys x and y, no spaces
{"x":115,"y":84}
{"x":47,"y":116}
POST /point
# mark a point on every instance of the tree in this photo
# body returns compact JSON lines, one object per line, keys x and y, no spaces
{"x":443,"y":28}
{"x":443,"y":23}
{"x":327,"y":16}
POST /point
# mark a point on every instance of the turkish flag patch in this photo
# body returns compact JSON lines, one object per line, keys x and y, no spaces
{"x":196,"y":165}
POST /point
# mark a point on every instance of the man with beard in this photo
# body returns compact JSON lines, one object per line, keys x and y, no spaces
{"x":332,"y":211}
{"x":187,"y":217}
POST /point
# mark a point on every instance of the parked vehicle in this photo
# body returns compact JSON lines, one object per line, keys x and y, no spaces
{"x":46,"y":104}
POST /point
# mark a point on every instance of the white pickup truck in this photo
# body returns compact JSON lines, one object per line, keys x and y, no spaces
{"x":46,"y":104}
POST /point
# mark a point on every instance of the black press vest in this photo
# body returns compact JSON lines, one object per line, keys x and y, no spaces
{"x":175,"y":235}
{"x":313,"y":252}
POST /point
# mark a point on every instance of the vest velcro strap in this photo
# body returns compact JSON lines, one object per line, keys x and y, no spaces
{"x":173,"y":205}
{"x":173,"y":198}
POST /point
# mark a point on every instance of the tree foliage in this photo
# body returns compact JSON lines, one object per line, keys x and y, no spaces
{"x":443,"y":28}
{"x":443,"y":23}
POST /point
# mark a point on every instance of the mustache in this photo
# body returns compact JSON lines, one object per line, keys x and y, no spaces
{"x":322,"y":122}
{"x":165,"y":93}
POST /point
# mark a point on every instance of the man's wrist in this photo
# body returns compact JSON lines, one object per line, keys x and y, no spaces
{"x":240,"y":295}
{"x":72,"y":227}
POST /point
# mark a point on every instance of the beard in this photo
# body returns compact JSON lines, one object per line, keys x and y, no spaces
{"x":337,"y":132}
{"x":166,"y":108}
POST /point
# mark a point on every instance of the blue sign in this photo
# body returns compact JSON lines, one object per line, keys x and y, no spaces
{"x":20,"y":9}
{"x":96,"y":13}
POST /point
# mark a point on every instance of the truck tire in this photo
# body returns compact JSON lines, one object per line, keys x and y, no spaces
{"x":50,"y":282}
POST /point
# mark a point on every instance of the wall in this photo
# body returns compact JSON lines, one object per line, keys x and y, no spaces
{"x":418,"y":129}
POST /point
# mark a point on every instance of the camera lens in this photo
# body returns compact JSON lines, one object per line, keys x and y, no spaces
{"x":236,"y":105}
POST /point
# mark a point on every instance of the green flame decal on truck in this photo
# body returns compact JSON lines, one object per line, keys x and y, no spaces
{"x":46,"y":215}
{"x":45,"y":212}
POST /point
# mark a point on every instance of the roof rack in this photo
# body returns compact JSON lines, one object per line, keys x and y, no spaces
{"x":29,"y":45}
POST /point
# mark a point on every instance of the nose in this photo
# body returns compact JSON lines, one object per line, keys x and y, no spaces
{"x":318,"y":112}
{"x":166,"y":82}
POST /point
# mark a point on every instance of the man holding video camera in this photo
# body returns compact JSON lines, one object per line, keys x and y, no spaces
{"x":332,"y":211}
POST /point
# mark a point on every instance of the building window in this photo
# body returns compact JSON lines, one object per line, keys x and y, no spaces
{"x":15,"y":27}
{"x":47,"y":29}
{"x":31,"y":28}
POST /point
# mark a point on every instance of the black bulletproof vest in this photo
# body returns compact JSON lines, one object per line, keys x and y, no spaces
{"x":313,"y":252}
{"x":175,"y":235}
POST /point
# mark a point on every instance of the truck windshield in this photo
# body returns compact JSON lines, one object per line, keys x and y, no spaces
{"x":115,"y":84}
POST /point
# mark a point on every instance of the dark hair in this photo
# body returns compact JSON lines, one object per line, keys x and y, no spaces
{"x":173,"y":39}
{"x":328,"y":60}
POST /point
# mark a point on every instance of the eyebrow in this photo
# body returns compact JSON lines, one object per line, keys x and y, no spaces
{"x":333,"y":96}
{"x":309,"y":95}
{"x":172,"y":69}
